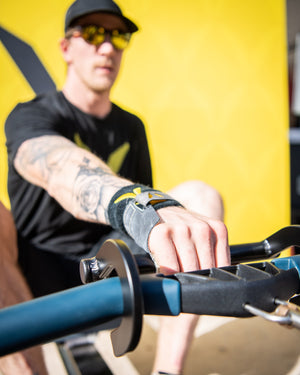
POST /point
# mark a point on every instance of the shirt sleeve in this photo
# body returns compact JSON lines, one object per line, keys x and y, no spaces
{"x":26,"y":121}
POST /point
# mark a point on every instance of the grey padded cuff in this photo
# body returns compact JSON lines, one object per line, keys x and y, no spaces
{"x":140,"y":215}
{"x":139,"y":221}
{"x":132,"y":210}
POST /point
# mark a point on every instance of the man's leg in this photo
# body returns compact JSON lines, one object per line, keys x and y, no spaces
{"x":176,"y":333}
{"x":201,"y":198}
{"x":13,"y":289}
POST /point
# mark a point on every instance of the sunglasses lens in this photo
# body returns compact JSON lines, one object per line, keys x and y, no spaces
{"x":94,"y":35}
{"x":120,"y":40}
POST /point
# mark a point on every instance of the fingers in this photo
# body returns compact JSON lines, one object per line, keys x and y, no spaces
{"x":205,"y":241}
{"x":185,"y":247}
{"x":202,"y":245}
{"x":163,"y":250}
{"x":189,"y":244}
{"x":222,"y":250}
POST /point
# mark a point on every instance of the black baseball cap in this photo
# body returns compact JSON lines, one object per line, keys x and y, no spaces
{"x":83,"y":7}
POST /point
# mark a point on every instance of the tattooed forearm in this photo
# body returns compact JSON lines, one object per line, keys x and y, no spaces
{"x":91,"y":189}
{"x":81,"y":182}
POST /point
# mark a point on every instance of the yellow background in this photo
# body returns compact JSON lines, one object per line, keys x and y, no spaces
{"x":208,"y":78}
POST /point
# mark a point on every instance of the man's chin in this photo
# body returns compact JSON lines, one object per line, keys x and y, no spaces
{"x":101,"y":88}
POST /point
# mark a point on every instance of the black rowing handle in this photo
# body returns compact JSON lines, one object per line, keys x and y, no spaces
{"x":268,"y":248}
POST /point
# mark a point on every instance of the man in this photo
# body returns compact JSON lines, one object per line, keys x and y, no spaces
{"x":65,"y":197}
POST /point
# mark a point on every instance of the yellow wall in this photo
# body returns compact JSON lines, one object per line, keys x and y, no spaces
{"x":209,"y":78}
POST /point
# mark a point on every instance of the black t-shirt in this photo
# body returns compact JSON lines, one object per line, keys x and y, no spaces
{"x":119,"y":139}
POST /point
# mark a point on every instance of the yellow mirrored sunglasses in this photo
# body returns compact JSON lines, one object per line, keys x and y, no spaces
{"x":96,"y":35}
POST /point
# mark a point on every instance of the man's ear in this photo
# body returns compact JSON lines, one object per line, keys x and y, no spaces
{"x":64,"y":47}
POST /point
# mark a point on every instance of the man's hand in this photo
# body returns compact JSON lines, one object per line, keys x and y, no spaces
{"x":186,"y":241}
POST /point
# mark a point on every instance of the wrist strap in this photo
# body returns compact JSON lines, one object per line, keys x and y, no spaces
{"x":132,"y":210}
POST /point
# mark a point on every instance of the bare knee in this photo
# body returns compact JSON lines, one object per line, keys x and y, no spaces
{"x":200,"y":197}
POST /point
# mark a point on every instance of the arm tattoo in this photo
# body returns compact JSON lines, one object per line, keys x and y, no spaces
{"x":90,"y":186}
{"x":42,"y":155}
{"x":81,"y":182}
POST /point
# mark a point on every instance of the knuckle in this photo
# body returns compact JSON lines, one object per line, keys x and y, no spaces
{"x":178,"y":229}
{"x":163,"y":229}
{"x":183,"y":230}
{"x":203,"y":230}
{"x":220,"y":230}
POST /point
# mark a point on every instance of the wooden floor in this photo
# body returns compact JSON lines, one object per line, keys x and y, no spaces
{"x":222,"y":346}
{"x":235,"y":347}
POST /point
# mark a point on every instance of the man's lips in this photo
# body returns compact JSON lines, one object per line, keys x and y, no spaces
{"x":104,"y":68}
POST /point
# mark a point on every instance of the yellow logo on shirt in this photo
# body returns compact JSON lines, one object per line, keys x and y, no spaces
{"x":115,"y":159}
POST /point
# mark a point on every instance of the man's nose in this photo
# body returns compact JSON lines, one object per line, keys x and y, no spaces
{"x":106,"y":46}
